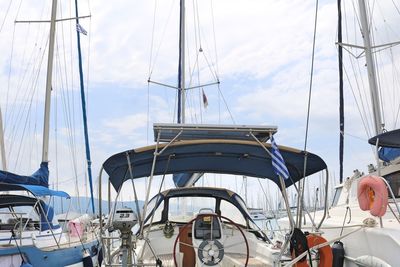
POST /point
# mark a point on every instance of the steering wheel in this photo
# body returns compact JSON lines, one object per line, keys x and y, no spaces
{"x":212,"y":251}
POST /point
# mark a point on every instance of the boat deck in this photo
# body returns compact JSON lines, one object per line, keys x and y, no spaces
{"x":238,"y":259}
{"x":230,"y":259}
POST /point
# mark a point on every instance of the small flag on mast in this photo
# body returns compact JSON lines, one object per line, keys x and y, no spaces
{"x":80,"y":29}
{"x":278,"y":163}
{"x":205,"y":100}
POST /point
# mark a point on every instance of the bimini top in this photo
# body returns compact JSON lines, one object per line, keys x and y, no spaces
{"x":387,"y":139}
{"x":237,"y":157}
{"x":389,"y":143}
{"x":36,"y":190}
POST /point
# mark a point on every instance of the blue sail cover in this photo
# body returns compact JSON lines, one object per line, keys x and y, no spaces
{"x":210,"y":156}
{"x":388,"y":154}
{"x":46,"y":218}
{"x":186,"y":179}
{"x":40,"y":177}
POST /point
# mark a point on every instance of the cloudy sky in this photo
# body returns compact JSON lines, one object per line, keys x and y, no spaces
{"x":260,"y":51}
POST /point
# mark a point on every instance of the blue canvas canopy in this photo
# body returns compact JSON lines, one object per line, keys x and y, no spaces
{"x":236,"y":157}
{"x":40,"y":177}
{"x":389,"y":143}
{"x":167,"y":132}
{"x":36,"y":190}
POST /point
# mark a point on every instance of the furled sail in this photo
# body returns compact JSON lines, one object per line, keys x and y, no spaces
{"x":40,"y":177}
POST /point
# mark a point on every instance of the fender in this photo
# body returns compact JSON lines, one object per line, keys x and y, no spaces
{"x":372,"y":195}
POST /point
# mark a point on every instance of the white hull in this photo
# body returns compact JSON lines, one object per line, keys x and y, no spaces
{"x":365,"y":241}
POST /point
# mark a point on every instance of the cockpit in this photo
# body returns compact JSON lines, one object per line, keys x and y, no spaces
{"x":184,"y":204}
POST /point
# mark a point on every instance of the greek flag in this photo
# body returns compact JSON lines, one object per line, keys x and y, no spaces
{"x":80,"y":29}
{"x":277,"y":161}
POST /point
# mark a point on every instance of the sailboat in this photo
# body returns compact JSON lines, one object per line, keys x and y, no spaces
{"x":30,"y":234}
{"x":363,"y":225}
{"x":195,"y":225}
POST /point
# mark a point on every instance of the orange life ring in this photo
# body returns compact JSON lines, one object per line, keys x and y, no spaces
{"x":325,"y":253}
{"x":373,"y":195}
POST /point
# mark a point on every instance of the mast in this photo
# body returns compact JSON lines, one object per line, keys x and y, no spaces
{"x":85,"y":127}
{"x":341,"y":93}
{"x":2,"y":145}
{"x":181,"y":67}
{"x":46,"y":126}
{"x":373,"y":85}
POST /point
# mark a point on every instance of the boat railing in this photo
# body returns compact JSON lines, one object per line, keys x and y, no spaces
{"x":387,"y":184}
{"x":17,"y":224}
{"x":393,"y":197}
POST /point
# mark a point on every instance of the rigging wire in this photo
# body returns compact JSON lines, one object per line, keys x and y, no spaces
{"x":394,"y":99}
{"x":395,"y":6}
{"x":301,"y":183}
{"x":215,"y":39}
{"x":226,"y":105}
{"x":152,"y":64}
{"x":378,"y":77}
{"x":357,"y":74}
{"x":5,"y":17}
{"x":380,"y":59}
{"x":197,"y":37}
{"x":364,"y":122}
{"x":28,"y":106}
{"x":9,"y":79}
{"x":152,"y":38}
{"x":68,"y":111}
{"x":35,"y":60}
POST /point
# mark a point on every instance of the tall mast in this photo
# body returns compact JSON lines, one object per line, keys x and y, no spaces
{"x":181,"y":68}
{"x":2,"y":145}
{"x":341,"y":93}
{"x":373,"y":85}
{"x":46,"y":126}
{"x":85,"y":127}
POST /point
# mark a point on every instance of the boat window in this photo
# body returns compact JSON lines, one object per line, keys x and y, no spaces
{"x":5,"y":214}
{"x":336,"y":196}
{"x":393,"y":180}
{"x":152,"y":203}
{"x":243,"y":205}
{"x":183,"y":209}
{"x":230,"y":211}
{"x":26,"y":212}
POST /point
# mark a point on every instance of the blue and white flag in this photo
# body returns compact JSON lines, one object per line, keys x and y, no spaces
{"x":277,"y":161}
{"x":80,"y":29}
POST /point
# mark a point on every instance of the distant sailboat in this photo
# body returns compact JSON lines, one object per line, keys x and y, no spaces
{"x":364,"y":227}
{"x":29,"y":230}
